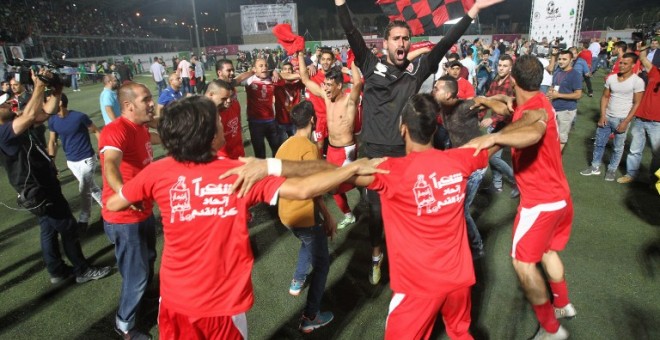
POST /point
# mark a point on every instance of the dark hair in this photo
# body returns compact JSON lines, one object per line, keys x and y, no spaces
{"x":335,"y":74}
{"x":621,"y":44}
{"x":396,"y":23}
{"x":453,"y":56}
{"x":450,"y":84}
{"x":302,"y":113}
{"x":218,"y":83}
{"x":469,"y":51}
{"x":419,"y":116}
{"x":64,"y":100}
{"x":187,"y":128}
{"x":506,"y":57}
{"x":631,"y":55}
{"x":566,"y":52}
{"x":155,"y":58}
{"x":528,"y":73}
{"x":286,"y":63}
{"x":220,"y":63}
{"x":327,"y":50}
{"x":485,"y":52}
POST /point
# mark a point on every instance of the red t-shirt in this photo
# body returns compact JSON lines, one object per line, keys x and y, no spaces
{"x":587,"y":56}
{"x":231,"y":124}
{"x":538,"y":168}
{"x":134,"y":142}
{"x":287,"y":95}
{"x":259,"y":93}
{"x":649,"y":108}
{"x":207,"y":260}
{"x":424,"y":220}
{"x":318,"y":102}
{"x":465,"y":89}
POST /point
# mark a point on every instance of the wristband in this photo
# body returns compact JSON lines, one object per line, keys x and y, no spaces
{"x":274,"y":166}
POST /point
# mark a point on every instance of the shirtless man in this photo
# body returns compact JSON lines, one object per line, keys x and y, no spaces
{"x":341,"y":109}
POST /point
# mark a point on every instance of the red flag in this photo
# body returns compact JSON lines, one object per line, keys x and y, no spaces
{"x":290,"y":42}
{"x":421,"y":44}
{"x":423,"y":15}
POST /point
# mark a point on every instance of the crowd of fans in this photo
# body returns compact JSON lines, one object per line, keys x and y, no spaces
{"x":80,"y":32}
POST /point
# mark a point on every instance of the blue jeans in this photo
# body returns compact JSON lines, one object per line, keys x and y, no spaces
{"x":640,"y":130}
{"x":161,"y":86}
{"x":471,"y":189}
{"x":185,"y":86}
{"x":544,"y":88}
{"x":286,"y":130}
{"x":50,"y":226}
{"x":260,"y":130}
{"x":499,"y":167}
{"x":602,"y":136}
{"x":481,"y":86}
{"x":135,"y":250}
{"x":313,"y":251}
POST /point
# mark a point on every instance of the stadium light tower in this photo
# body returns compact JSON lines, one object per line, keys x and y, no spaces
{"x":196,"y":28}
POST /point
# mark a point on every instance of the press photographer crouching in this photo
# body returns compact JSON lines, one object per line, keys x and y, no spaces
{"x":33,"y":175}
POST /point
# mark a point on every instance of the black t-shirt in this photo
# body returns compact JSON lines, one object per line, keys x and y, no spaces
{"x":461,"y":122}
{"x":387,"y":88}
{"x":25,"y":159}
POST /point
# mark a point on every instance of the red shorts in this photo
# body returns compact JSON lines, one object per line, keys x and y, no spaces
{"x":176,"y":326}
{"x":341,"y":156}
{"x":321,"y":131}
{"x":541,"y":228}
{"x":413,"y":317}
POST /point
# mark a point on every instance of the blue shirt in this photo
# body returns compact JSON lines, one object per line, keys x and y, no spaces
{"x":109,"y":98}
{"x":73,"y":131}
{"x":568,"y":82}
{"x":581,"y":66}
{"x":169,"y":95}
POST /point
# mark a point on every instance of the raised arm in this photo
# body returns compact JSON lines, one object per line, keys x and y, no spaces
{"x":311,"y":86}
{"x":456,"y":32}
{"x":33,"y":111}
{"x":353,"y":35}
{"x":356,"y":90}
{"x":245,"y":75}
{"x":643,"y":58}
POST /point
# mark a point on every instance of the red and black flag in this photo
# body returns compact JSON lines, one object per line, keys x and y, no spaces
{"x":423,"y":15}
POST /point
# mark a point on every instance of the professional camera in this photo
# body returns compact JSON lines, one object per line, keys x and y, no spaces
{"x":558,"y":44}
{"x":644,"y":32}
{"x":54,"y":65}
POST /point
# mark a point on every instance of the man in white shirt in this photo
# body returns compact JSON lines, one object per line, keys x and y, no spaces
{"x":594,"y":48}
{"x":157,"y":72}
{"x":470,"y":65}
{"x":183,"y":70}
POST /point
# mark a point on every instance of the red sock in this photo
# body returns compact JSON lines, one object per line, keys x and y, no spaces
{"x":560,"y":293}
{"x":545,"y":313}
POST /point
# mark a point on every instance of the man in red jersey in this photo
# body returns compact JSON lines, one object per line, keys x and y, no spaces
{"x":287,"y":94}
{"x":543,"y":224}
{"x":327,"y":60}
{"x":207,"y":261}
{"x":125,"y":147}
{"x":225,"y":71}
{"x":259,"y":89}
{"x":220,"y":93}
{"x":431,"y":267}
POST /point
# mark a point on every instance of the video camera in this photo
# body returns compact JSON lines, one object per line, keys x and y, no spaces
{"x":644,"y":32}
{"x":558,"y":44}
{"x":53,"y":65}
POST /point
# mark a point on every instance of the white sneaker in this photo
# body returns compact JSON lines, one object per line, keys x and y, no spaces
{"x":374,"y":278}
{"x":566,"y":312}
{"x":542,"y":334}
{"x":348,"y":220}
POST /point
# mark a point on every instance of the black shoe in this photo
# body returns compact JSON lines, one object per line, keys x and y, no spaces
{"x":93,"y":273}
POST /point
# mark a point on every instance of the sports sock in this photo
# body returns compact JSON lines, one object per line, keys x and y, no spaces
{"x":546,"y":316}
{"x":560,"y":293}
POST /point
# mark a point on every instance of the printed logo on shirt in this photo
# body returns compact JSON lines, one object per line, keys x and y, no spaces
{"x":446,"y":188}
{"x":150,"y":154}
{"x":380,"y":69}
{"x":215,"y":200}
{"x":232,"y":127}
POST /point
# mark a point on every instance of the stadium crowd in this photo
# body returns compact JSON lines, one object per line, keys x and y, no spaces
{"x":429,"y":122}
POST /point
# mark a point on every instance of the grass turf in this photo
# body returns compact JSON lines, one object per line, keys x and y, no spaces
{"x":612,"y":264}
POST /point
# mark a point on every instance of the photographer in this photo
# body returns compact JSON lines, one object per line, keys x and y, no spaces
{"x":32,"y":174}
